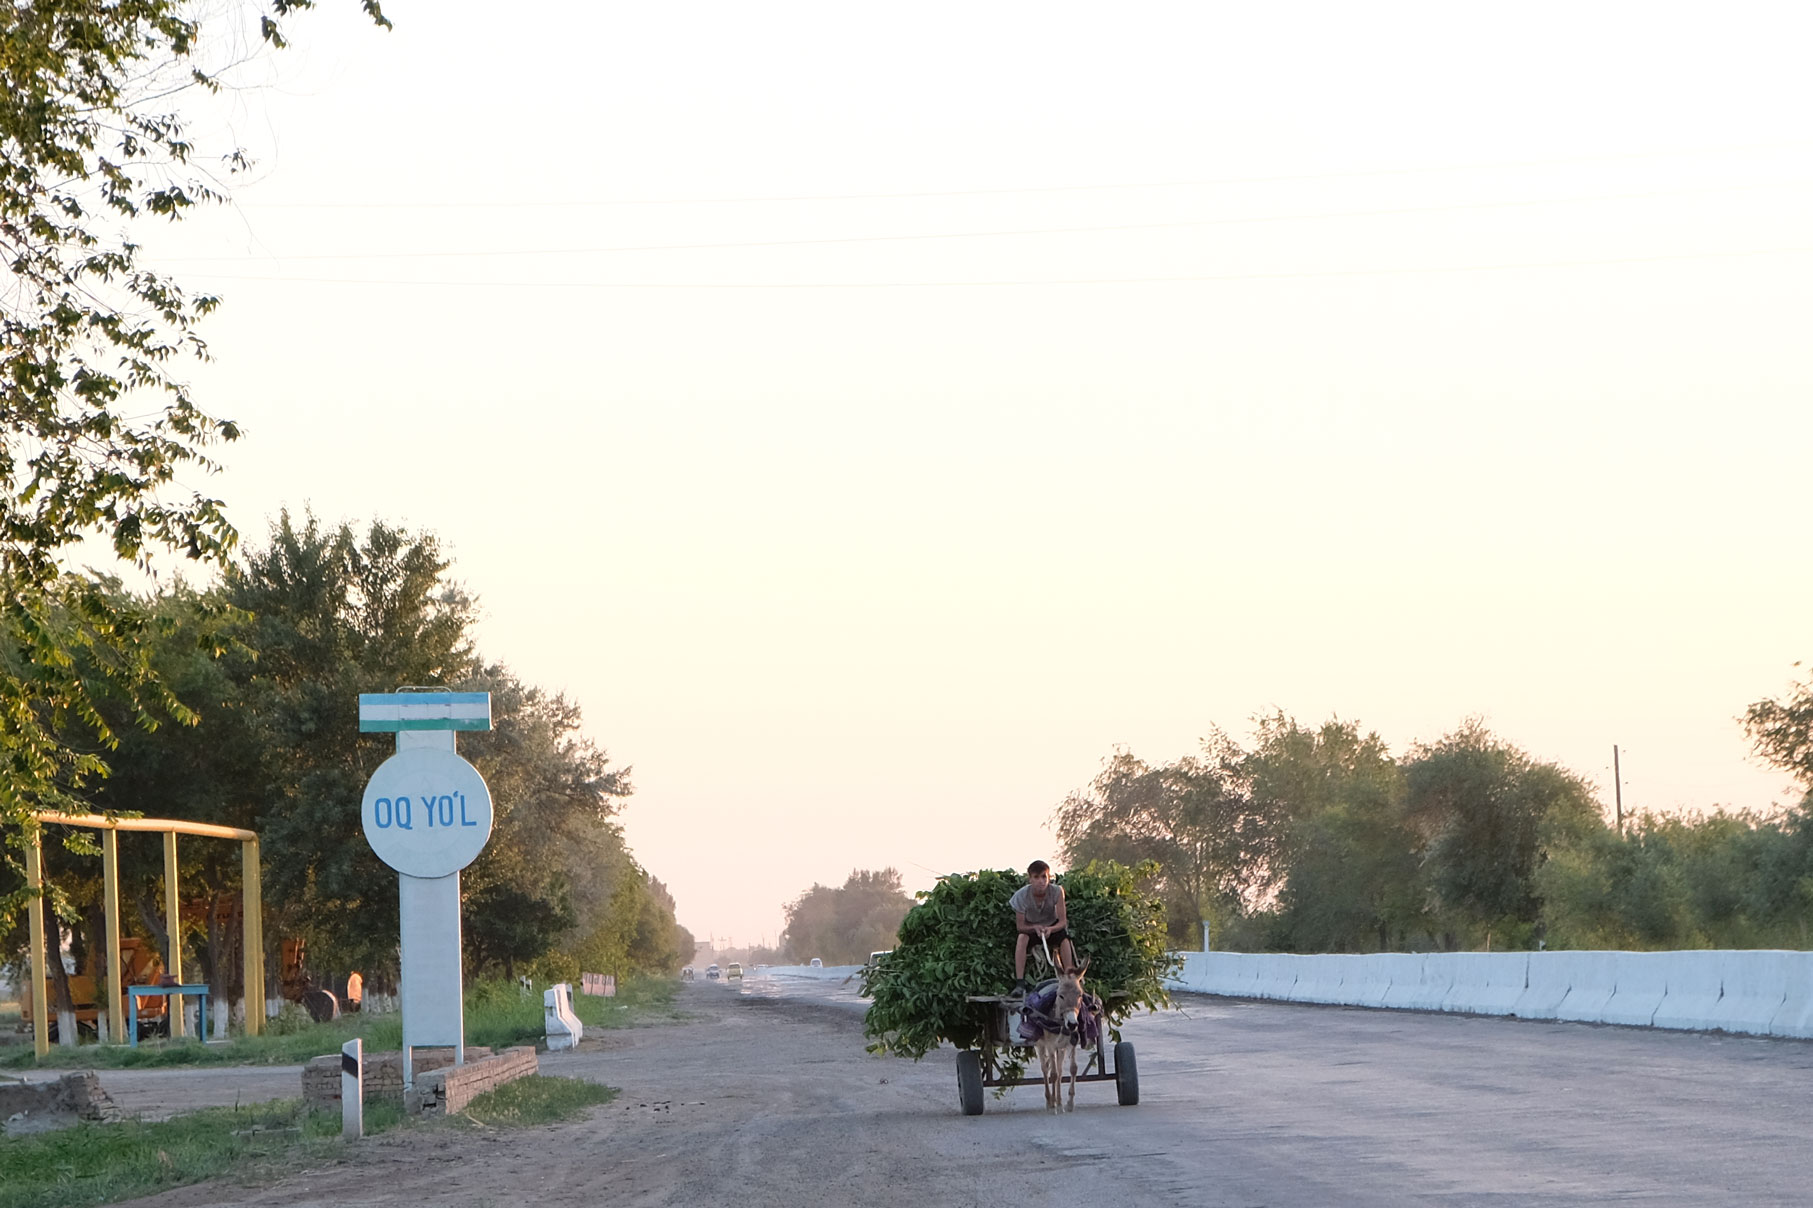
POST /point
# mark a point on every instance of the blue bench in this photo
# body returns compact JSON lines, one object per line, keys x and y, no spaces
{"x":134,"y":993}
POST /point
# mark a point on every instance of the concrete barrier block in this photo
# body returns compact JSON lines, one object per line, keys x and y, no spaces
{"x":1436,"y":976}
{"x":1695,"y":984}
{"x":1276,"y":977}
{"x":1639,"y":984}
{"x":1551,"y":977}
{"x":1754,"y":987}
{"x":1227,"y":973}
{"x":1237,"y":973}
{"x":1193,"y":975}
{"x":1319,"y":978}
{"x":563,"y":1027}
{"x":1368,"y":980}
{"x":1485,"y":983}
{"x":1795,"y":1015}
{"x":1592,"y":980}
{"x":1405,"y":973}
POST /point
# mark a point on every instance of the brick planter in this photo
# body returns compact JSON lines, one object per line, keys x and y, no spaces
{"x":450,"y":1089}
{"x":383,"y":1073}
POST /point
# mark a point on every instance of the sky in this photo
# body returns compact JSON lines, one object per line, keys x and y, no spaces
{"x":874,"y":416}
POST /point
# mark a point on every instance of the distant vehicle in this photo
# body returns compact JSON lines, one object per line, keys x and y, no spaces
{"x":875,"y":957}
{"x":712,"y":972}
{"x":734,"y":970}
{"x":686,"y":973}
{"x":815,"y":963}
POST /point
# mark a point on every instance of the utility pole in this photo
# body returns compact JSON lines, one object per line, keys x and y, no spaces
{"x":1618,"y":790}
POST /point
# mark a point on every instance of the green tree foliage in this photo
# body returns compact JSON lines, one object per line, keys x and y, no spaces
{"x":1316,"y":839}
{"x":333,"y":613}
{"x":842,"y":926}
{"x":1192,"y":821}
{"x":274,"y":660}
{"x":95,"y":424}
{"x":1717,"y":880}
{"x":1484,"y":808}
{"x":634,"y":932}
{"x":1782,"y":731}
{"x":959,"y":941}
{"x":1345,"y":866}
{"x":555,"y":853}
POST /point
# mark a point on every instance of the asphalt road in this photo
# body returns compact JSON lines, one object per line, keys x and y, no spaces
{"x":1250,"y":1103}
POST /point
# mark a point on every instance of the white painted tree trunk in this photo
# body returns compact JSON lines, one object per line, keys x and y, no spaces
{"x":66,"y":1029}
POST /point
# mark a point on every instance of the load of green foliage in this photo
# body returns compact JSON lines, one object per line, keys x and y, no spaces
{"x":959,"y":941}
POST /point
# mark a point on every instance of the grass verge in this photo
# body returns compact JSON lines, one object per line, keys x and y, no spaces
{"x":93,"y":1164}
{"x":102,"y":1163}
{"x":498,"y":1015}
{"x":537,"y":1100}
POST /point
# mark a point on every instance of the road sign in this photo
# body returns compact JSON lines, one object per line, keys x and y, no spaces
{"x":427,"y":812}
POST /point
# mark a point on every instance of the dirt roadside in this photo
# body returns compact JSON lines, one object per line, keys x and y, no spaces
{"x":159,"y":1093}
{"x":760,"y":1099}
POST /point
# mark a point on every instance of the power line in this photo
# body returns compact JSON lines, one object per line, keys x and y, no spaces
{"x":1012,"y":231}
{"x":1150,"y":280}
{"x":1207,"y":182}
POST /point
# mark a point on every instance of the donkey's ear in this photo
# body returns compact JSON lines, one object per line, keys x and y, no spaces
{"x":1082,"y":968}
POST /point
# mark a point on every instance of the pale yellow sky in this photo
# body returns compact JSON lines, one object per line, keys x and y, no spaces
{"x":1075,"y":377}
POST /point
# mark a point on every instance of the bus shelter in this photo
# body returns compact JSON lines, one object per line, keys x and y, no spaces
{"x":114,"y":993}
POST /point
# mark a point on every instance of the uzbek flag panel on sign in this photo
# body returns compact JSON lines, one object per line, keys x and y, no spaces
{"x":392,"y":711}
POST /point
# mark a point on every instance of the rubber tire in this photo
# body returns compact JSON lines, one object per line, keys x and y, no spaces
{"x":1126,"y":1074}
{"x":969,"y":1082}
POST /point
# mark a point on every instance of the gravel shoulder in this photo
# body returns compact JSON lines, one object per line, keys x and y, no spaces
{"x":764,"y":1099}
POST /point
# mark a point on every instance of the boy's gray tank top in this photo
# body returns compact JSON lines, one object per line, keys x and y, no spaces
{"x":1038,"y":914}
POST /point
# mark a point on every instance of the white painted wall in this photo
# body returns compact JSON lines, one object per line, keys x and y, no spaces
{"x":1761,"y":992}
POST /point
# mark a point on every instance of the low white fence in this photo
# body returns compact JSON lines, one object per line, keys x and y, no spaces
{"x":815,"y":972}
{"x":1762,"y":992}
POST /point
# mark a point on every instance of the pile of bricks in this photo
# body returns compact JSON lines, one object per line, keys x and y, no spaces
{"x":383,"y":1073}
{"x":450,"y":1089}
{"x":26,"y":1106}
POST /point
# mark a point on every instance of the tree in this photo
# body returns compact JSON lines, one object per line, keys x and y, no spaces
{"x":554,"y":848}
{"x":95,"y":424}
{"x":1484,"y":808}
{"x":1191,"y":819}
{"x":1781,"y":731}
{"x":333,"y":613}
{"x":842,"y":926}
{"x":1344,"y":864}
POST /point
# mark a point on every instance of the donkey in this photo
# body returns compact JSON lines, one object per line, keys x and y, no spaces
{"x":1072,"y":1021}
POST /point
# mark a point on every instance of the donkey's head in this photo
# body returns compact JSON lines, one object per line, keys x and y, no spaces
{"x":1070,"y":995}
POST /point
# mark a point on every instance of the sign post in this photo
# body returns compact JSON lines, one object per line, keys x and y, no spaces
{"x":427,"y":814}
{"x":352,"y":1089}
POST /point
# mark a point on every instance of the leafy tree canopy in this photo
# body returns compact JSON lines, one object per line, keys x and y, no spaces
{"x":1782,"y":731}
{"x":95,"y":423}
{"x":842,"y":926}
{"x":1192,"y":821}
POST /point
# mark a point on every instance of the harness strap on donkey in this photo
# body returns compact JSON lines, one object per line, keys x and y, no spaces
{"x":1038,"y":1016}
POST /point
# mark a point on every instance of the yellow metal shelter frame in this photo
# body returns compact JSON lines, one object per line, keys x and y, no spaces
{"x":113,"y":996}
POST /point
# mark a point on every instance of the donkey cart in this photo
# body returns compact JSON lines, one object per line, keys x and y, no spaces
{"x":999,"y":1019}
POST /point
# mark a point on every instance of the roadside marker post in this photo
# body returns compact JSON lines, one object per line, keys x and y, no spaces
{"x":352,"y":1089}
{"x":427,"y":814}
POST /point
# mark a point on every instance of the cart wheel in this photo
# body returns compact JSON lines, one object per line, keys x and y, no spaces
{"x":969,"y":1082}
{"x":1126,"y":1074}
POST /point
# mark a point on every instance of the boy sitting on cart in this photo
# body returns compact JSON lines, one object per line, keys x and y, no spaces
{"x":1039,"y":915}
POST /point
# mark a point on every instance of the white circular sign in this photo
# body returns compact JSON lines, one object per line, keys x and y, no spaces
{"x":427,"y":812}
